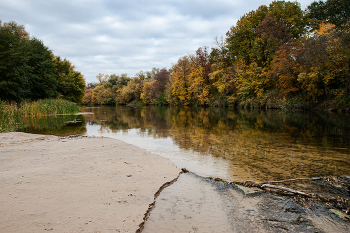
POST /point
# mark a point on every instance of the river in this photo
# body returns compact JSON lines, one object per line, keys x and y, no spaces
{"x":233,"y":145}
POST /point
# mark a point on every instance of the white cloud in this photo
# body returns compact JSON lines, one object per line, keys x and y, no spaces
{"x":108,"y":36}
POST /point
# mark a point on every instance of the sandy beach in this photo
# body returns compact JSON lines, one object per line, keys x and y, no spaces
{"x":77,"y":184}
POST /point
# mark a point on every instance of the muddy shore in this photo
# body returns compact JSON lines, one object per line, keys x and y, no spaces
{"x":78,"y":184}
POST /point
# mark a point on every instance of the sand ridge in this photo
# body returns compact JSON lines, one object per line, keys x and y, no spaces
{"x":76,"y":184}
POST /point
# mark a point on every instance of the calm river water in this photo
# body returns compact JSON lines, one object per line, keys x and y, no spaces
{"x":232,"y":145}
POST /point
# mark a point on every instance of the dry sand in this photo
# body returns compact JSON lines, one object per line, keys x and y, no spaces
{"x":76,"y":184}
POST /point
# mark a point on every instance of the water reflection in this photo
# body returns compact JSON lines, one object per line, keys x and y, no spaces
{"x":61,"y":125}
{"x":248,"y":145}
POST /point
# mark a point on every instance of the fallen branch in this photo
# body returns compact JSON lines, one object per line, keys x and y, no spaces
{"x":309,"y":208}
{"x":297,"y":179}
{"x":271,"y":186}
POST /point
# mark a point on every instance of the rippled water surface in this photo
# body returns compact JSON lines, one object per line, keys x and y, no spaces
{"x":232,"y":145}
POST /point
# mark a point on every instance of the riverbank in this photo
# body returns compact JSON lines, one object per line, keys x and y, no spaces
{"x":76,"y":184}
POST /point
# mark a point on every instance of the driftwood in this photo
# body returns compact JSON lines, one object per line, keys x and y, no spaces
{"x":297,"y":179}
{"x":271,"y":186}
{"x":337,"y":202}
{"x":264,"y":185}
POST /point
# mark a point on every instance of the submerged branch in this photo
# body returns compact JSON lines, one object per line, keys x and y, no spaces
{"x":296,"y":179}
{"x":271,"y":186}
{"x":337,"y":202}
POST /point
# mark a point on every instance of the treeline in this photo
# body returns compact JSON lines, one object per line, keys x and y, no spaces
{"x":147,"y":88}
{"x":277,"y":56}
{"x":30,"y":71}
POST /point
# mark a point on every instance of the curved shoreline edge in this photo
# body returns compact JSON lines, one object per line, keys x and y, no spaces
{"x":75,"y":184}
{"x":152,"y":205}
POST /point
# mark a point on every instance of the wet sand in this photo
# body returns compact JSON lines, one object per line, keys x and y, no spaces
{"x":76,"y":184}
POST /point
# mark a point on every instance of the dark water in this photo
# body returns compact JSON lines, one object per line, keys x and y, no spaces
{"x":232,"y":145}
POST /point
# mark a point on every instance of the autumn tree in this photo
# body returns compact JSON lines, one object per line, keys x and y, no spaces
{"x":200,"y":88}
{"x":154,"y":91}
{"x":108,"y":90}
{"x":149,"y":93}
{"x":259,"y":33}
{"x":327,"y":61}
{"x":102,"y":95}
{"x":180,"y":82}
{"x":131,"y":92}
{"x":271,"y":34}
{"x":141,"y":75}
{"x":88,"y":97}
{"x":285,"y":68}
{"x":162,"y":79}
{"x":151,"y":74}
{"x":102,"y":78}
{"x":317,"y":67}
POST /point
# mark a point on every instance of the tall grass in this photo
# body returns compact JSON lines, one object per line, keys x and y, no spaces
{"x":47,"y":107}
{"x":9,"y":117}
{"x":12,"y":114}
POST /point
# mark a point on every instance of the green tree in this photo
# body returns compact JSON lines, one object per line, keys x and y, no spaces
{"x":26,"y":68}
{"x":13,"y":43}
{"x":333,"y":11}
{"x":40,"y":72}
{"x":29,"y":70}
{"x":118,"y":81}
{"x":70,"y":83}
{"x":240,"y":38}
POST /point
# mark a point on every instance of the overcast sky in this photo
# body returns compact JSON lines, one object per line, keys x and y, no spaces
{"x":113,"y":36}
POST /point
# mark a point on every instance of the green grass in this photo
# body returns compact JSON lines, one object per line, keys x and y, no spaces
{"x":12,"y":114}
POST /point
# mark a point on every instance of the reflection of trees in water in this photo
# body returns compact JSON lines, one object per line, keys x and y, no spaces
{"x":271,"y":144}
{"x":150,"y":120}
{"x":57,"y":125}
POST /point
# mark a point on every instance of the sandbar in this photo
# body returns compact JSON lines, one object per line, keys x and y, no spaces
{"x":77,"y":184}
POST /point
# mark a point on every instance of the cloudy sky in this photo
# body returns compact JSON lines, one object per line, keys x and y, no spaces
{"x":114,"y":36}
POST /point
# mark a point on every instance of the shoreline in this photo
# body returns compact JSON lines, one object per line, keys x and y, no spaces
{"x":93,"y":184}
